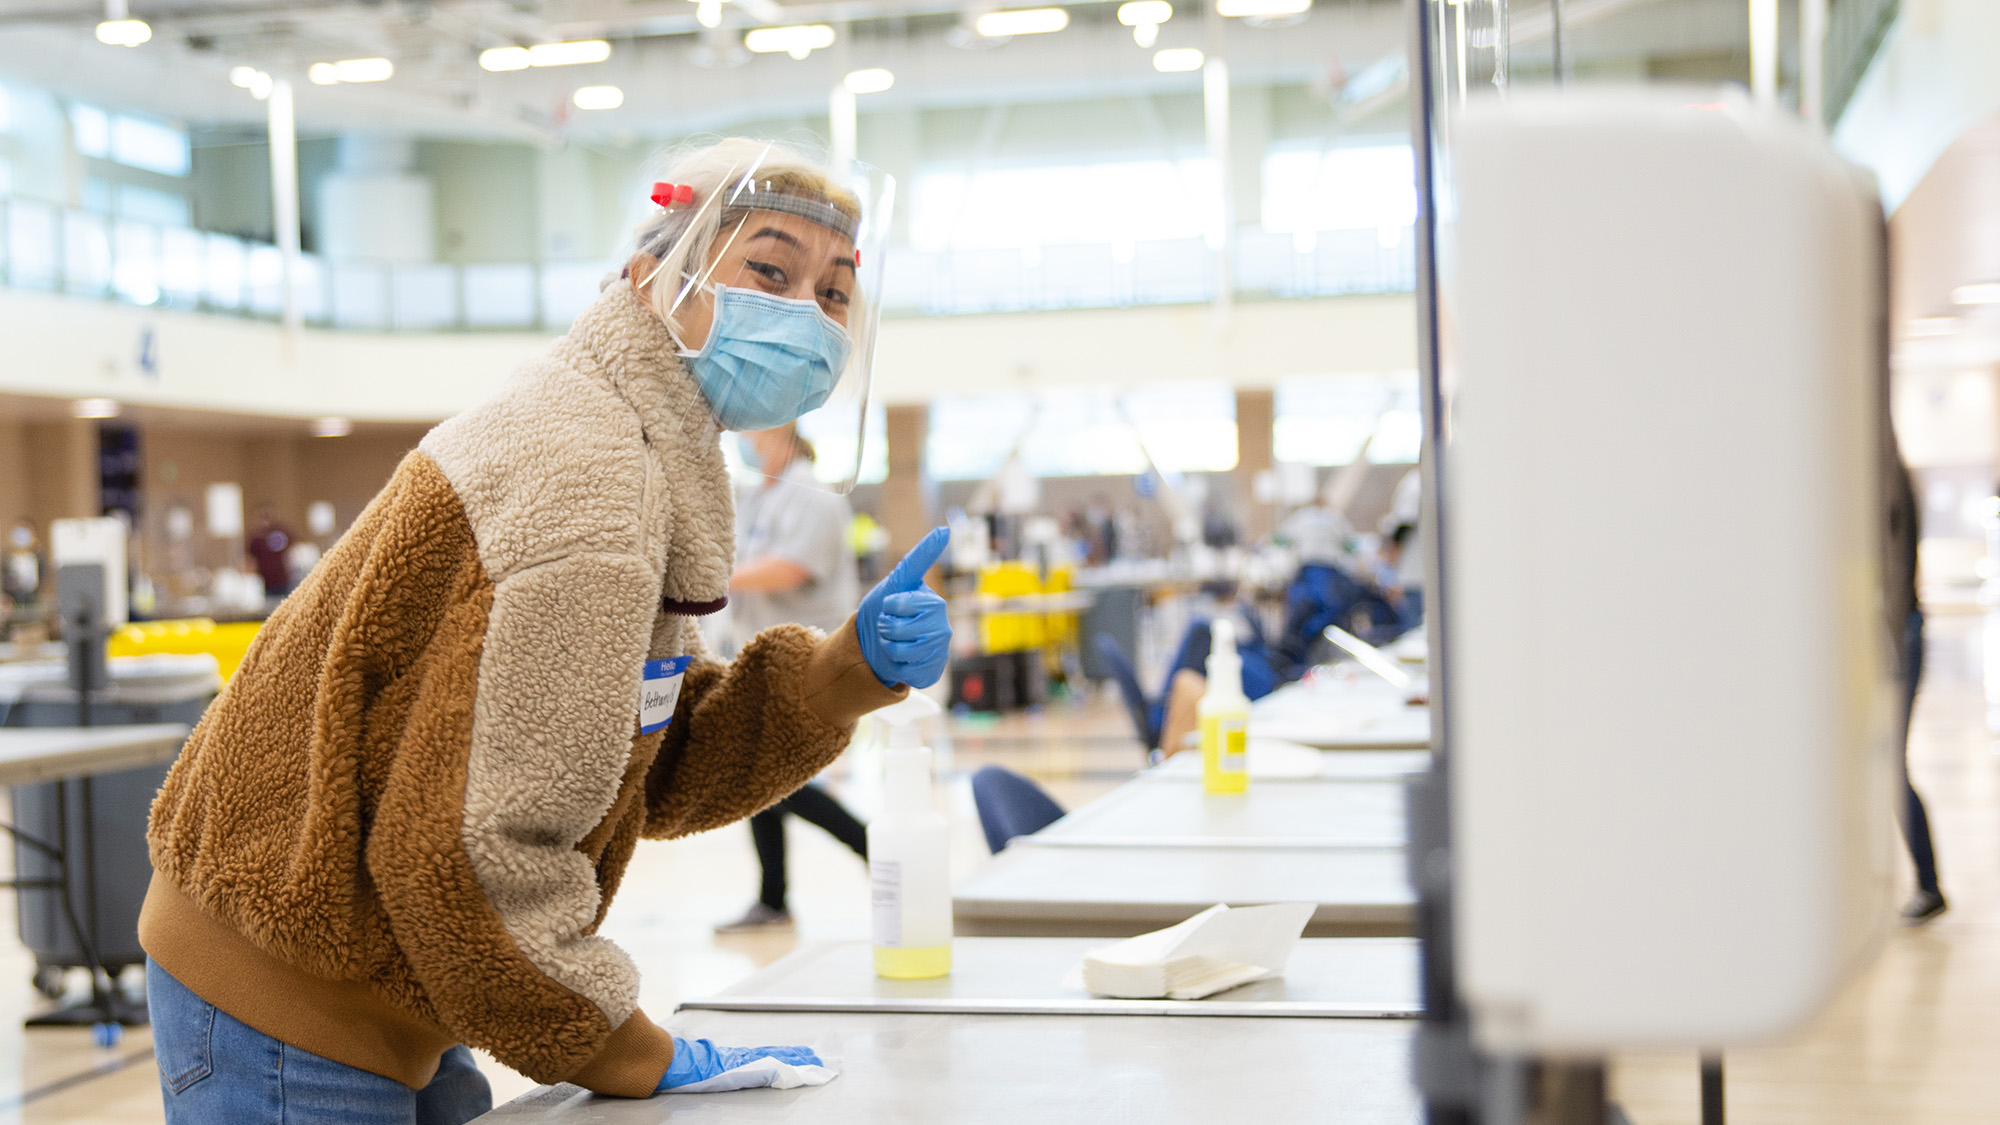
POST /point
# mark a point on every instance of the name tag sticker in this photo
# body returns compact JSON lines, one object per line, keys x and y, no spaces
{"x":659,"y":690}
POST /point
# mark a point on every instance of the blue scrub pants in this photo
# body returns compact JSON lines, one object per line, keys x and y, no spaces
{"x":216,"y":1069}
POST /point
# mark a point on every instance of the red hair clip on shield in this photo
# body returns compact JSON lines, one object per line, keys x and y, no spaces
{"x":666,"y":195}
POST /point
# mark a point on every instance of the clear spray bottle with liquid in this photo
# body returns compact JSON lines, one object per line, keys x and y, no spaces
{"x":909,"y":855}
{"x":1224,"y":712}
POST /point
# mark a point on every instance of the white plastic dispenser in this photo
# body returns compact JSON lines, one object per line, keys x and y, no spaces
{"x":909,"y":854}
{"x":1224,"y":712}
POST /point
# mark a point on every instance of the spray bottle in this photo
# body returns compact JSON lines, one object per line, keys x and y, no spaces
{"x":1225,"y":715}
{"x":909,"y":855}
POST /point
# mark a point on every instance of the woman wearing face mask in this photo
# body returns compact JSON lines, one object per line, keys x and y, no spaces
{"x":396,"y":832}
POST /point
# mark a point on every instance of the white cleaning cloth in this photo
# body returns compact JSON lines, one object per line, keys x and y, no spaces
{"x":1215,"y":950}
{"x":759,"y":1073}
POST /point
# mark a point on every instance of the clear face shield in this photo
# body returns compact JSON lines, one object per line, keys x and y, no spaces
{"x":771,"y":284}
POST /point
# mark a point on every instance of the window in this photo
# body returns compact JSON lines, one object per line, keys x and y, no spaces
{"x":1085,"y":432}
{"x":1323,"y":419}
{"x":144,"y":144}
{"x":90,"y":127}
{"x":160,"y":208}
{"x":129,"y":140}
{"x":1117,"y":202}
{"x":831,"y":431}
{"x":1188,"y":428}
{"x":97,"y":196}
{"x":970,"y":437}
{"x":1340,"y":189}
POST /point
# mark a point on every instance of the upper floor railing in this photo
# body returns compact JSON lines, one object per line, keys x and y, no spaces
{"x":44,"y":247}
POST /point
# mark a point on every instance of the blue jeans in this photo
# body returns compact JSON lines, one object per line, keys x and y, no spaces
{"x":215,"y":1069}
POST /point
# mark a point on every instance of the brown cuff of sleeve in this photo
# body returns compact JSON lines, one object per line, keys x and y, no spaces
{"x":633,"y":1060}
{"x":839,"y":685}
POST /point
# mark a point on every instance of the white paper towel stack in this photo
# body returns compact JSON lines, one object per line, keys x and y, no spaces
{"x":1216,"y":949}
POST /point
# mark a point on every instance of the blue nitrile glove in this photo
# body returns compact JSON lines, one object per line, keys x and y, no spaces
{"x":904,"y":632}
{"x":698,"y":1060}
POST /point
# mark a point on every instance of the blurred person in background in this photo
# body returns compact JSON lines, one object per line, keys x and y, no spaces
{"x":793,"y":565}
{"x":1905,"y":622}
{"x":267,"y":547}
{"x":21,"y":575}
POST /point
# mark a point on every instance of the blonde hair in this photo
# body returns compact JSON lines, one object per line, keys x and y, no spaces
{"x":681,"y":237}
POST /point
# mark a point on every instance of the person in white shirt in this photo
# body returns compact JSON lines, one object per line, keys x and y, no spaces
{"x":792,"y":565}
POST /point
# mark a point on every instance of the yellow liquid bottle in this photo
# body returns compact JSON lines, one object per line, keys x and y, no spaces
{"x":1224,"y":712}
{"x":909,"y":857}
{"x":913,"y":964}
{"x":1223,"y":754}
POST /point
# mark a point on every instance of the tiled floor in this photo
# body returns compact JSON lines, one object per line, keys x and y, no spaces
{"x":1911,"y":1043}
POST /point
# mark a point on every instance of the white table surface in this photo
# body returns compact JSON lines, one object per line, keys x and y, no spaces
{"x":1122,"y":891}
{"x":1326,"y":977}
{"x":1302,"y":813}
{"x":33,"y":754}
{"x":912,"y":1069}
{"x":1274,"y":759}
{"x":1408,"y":728}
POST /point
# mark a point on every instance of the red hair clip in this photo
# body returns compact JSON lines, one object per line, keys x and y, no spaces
{"x":666,"y":195}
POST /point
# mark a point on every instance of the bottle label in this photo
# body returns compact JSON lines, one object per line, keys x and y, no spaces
{"x":1232,"y":735}
{"x":885,"y":879}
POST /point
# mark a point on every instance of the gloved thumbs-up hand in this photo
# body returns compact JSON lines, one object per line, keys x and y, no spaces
{"x":904,"y":632}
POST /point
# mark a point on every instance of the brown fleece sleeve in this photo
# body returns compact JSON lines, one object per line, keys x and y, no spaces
{"x":747,"y":733}
{"x":632,"y":1062}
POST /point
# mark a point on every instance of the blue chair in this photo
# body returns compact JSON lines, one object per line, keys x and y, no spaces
{"x":1146,"y":714}
{"x":1010,"y":805}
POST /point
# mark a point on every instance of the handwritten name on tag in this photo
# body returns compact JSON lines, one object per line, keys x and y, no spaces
{"x":659,"y":690}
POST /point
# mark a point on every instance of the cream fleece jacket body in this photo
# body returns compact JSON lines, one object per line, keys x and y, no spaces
{"x":400,"y":825}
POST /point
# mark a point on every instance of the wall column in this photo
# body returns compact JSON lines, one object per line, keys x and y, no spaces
{"x":906,"y":494}
{"x":1256,"y":409}
{"x":63,"y":483}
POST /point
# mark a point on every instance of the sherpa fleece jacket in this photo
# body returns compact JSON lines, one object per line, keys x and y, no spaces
{"x":400,"y":825}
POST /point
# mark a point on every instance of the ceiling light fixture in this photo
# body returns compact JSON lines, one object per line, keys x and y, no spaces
{"x":119,"y":29}
{"x":94,"y":408}
{"x":332,"y":427}
{"x":1144,"y":17}
{"x":797,"y":40}
{"x":364,"y":70}
{"x":598,"y":97}
{"x":545,"y":54}
{"x":1978,"y":293}
{"x":708,"y":13}
{"x":123,"y":33}
{"x":350,"y":70}
{"x":874,"y":80}
{"x":1176,"y":60}
{"x":569,"y":54}
{"x":1021,"y":21}
{"x":251,"y":79}
{"x":499,"y":59}
{"x":1261,"y":9}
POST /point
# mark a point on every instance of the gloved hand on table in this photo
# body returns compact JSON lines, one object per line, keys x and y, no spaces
{"x":699,"y":1061}
{"x":904,"y":631}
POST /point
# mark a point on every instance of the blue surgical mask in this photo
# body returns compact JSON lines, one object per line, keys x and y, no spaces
{"x":768,"y":359}
{"x":747,"y":449}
